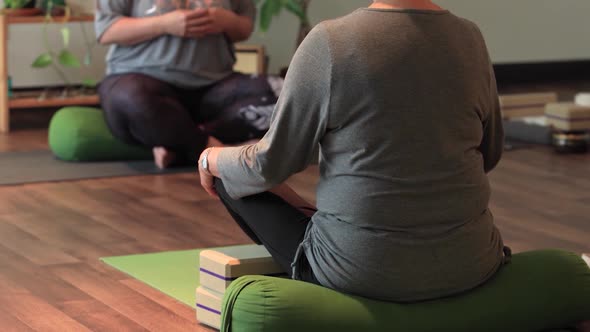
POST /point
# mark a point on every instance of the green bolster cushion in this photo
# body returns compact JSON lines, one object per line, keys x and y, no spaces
{"x":81,"y":134}
{"x":538,"y":290}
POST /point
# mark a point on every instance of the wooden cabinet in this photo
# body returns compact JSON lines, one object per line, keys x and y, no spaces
{"x":6,"y":103}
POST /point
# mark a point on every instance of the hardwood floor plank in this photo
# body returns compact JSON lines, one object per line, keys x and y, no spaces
{"x":124,"y":300}
{"x":24,"y":140}
{"x":541,"y":233}
{"x":186,"y":187}
{"x":31,"y":247}
{"x":10,"y":323}
{"x":162,"y":299}
{"x":20,"y":275}
{"x":16,"y":199}
{"x":38,"y":314}
{"x":67,"y":238}
{"x":8,"y":285}
{"x":98,"y":316}
{"x":31,"y":312}
{"x":160,"y":230}
{"x":62,"y":211}
{"x":198,"y":219}
{"x":72,"y":196}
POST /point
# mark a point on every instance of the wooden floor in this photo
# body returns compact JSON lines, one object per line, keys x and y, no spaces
{"x":52,"y":235}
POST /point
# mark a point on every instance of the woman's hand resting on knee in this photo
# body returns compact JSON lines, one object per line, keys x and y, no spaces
{"x":208,"y":170}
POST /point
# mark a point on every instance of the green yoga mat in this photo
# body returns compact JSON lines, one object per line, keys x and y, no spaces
{"x":174,"y":273}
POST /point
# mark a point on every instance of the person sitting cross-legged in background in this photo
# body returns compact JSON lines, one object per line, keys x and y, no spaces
{"x":170,"y":78}
{"x":401,"y":99}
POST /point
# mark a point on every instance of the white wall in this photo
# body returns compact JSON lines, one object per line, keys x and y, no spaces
{"x":280,"y":39}
{"x":515,"y":30}
{"x":85,"y":6}
{"x":26,"y":42}
{"x":530,"y":30}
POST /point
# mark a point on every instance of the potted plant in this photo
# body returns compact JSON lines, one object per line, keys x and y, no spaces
{"x":271,"y":8}
{"x":53,"y":7}
{"x":20,"y":8}
{"x":14,"y":4}
{"x":60,"y":57}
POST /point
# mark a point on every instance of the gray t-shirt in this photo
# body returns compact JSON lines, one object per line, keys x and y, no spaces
{"x":403,"y":104}
{"x":184,"y":62}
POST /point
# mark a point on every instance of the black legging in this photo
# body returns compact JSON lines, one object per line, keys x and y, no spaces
{"x":267,"y":219}
{"x":142,"y":110}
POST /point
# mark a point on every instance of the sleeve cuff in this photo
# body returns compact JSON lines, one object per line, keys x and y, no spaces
{"x":100,"y":30}
{"x":228,"y":167}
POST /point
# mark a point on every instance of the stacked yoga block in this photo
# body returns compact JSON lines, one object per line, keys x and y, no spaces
{"x":219,"y":268}
{"x":571,"y":116}
{"x":520,"y":105}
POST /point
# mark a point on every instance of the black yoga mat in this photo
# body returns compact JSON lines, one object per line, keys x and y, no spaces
{"x":42,"y":166}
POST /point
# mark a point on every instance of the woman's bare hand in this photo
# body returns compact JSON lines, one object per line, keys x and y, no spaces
{"x":187,"y":23}
{"x":221,"y":19}
{"x":197,"y":23}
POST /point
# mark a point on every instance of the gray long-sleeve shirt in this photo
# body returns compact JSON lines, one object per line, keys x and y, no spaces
{"x":403,"y":104}
{"x":184,"y":62}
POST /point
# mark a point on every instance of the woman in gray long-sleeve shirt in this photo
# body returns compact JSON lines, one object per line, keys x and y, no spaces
{"x":401,"y":98}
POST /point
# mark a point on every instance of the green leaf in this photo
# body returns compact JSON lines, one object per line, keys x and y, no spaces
{"x":89,"y":83}
{"x":67,"y":59}
{"x":15,"y":3}
{"x":265,"y":16}
{"x":269,"y":9}
{"x":295,"y":8}
{"x":42,"y":61}
{"x":276,"y":6}
{"x":65,"y":35}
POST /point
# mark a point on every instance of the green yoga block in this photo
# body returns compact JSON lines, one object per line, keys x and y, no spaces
{"x":537,"y":291}
{"x":81,"y":134}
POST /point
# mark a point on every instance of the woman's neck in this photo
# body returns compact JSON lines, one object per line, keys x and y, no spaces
{"x":405,"y":4}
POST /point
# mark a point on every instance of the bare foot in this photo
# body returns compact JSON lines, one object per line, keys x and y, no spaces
{"x":162,"y":157}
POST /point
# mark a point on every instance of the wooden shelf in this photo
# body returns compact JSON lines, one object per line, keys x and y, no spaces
{"x":41,"y":19}
{"x":31,"y":101}
{"x":53,"y":102}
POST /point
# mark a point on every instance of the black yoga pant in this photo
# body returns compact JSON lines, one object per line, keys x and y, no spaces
{"x":142,"y":110}
{"x":268,"y":220}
